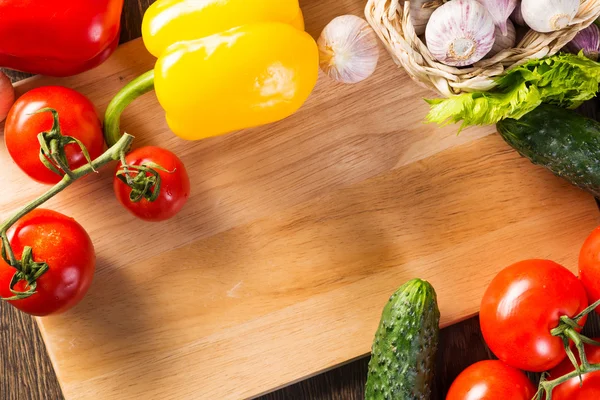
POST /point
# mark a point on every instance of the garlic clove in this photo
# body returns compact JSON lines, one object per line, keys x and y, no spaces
{"x":500,"y":10}
{"x":459,"y":33}
{"x":517,"y":15}
{"x":587,"y":40}
{"x":348,"y":49}
{"x":549,"y":15}
{"x":504,"y":42}
{"x":420,"y":12}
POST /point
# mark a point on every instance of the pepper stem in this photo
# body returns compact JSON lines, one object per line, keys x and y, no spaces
{"x":112,"y":118}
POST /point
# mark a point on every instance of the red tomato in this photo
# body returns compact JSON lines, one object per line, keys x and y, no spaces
{"x":570,"y":390}
{"x":491,"y":380}
{"x":67,"y":249}
{"x":77,"y":117}
{"x":589,"y":266}
{"x":522,"y":305}
{"x":174,"y":189}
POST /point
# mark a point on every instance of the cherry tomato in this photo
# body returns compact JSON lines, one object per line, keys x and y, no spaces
{"x":491,"y":380}
{"x":77,"y":117}
{"x":174,"y":188}
{"x":67,"y":249}
{"x":522,"y":305}
{"x":570,"y":390}
{"x":589,"y":266}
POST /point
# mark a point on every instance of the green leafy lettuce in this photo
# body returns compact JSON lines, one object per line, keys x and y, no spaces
{"x":566,"y":80}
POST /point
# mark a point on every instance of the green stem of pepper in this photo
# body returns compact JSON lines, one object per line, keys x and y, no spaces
{"x":134,"y":89}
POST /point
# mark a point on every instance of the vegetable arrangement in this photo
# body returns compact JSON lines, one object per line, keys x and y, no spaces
{"x":48,"y":260}
{"x":531,"y":316}
{"x":54,"y":135}
{"x":462,"y":32}
{"x":530,"y":103}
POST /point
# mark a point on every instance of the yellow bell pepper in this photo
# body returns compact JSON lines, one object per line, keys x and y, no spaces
{"x":223,"y":65}
{"x":171,"y":21}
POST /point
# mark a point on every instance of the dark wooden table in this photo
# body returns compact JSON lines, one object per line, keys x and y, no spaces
{"x":26,"y":372}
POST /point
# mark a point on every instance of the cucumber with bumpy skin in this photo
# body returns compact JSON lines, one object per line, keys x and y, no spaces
{"x":405,"y":345}
{"x":560,"y":140}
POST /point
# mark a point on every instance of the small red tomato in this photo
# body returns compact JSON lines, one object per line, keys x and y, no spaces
{"x":66,"y":247}
{"x":589,"y":266}
{"x":174,"y":188}
{"x":491,"y":380}
{"x":77,"y":117}
{"x":522,"y":305}
{"x":570,"y":390}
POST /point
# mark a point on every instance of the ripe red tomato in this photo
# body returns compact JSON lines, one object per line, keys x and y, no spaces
{"x":174,"y":189}
{"x":589,"y":266}
{"x":67,"y":249}
{"x":570,"y":390}
{"x":491,"y":380}
{"x":77,"y":117}
{"x":522,"y":305}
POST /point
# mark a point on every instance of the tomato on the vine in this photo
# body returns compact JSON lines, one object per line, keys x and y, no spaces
{"x":65,"y":246}
{"x":589,"y":266}
{"x":174,"y":184}
{"x":77,"y":117}
{"x":522,"y":304}
{"x":491,"y":380}
{"x":571,"y":389}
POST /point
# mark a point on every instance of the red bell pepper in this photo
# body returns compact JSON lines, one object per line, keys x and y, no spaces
{"x":58,"y":37}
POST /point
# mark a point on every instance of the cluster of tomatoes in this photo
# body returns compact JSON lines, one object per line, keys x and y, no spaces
{"x":520,"y":311}
{"x":55,"y":239}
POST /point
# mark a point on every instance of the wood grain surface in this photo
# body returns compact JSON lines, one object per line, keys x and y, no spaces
{"x":302,"y":218}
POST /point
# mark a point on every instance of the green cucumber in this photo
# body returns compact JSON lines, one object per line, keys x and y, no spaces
{"x":560,"y":140}
{"x":403,"y":354}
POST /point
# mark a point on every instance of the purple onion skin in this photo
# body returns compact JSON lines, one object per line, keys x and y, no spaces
{"x":587,"y":40}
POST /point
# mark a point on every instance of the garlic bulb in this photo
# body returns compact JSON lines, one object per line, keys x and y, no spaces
{"x":348,"y":49}
{"x":587,"y":40}
{"x":504,"y":42}
{"x":549,"y":15}
{"x":517,"y":15}
{"x":500,"y":10}
{"x":420,"y":12}
{"x":459,"y":33}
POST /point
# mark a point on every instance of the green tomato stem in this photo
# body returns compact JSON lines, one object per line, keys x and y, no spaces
{"x":112,"y":154}
{"x":567,"y":330}
{"x":548,"y":386}
{"x":134,"y":89}
{"x":27,"y":269}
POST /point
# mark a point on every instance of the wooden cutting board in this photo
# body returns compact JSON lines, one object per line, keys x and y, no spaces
{"x":294,"y":237}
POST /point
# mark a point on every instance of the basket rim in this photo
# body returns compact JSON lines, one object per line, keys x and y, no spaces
{"x":392,"y":22}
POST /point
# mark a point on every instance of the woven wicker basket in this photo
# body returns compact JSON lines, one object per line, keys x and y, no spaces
{"x":391,"y":20}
